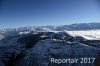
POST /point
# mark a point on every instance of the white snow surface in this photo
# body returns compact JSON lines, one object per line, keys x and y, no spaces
{"x":1,"y":37}
{"x":87,"y":34}
{"x":26,"y":32}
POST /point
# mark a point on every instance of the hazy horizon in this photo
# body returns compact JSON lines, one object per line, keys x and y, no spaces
{"x":44,"y":25}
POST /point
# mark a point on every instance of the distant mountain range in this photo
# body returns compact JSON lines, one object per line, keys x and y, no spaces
{"x":77,"y":26}
{"x":80,"y":26}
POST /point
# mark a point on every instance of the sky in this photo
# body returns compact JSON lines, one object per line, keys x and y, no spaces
{"x":20,"y":13}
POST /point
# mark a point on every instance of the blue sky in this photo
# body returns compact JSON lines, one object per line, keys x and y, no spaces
{"x":18,"y":13}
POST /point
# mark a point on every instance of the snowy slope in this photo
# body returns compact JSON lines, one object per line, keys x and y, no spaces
{"x":43,"y":51}
{"x":1,"y":37}
{"x":36,"y":49}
